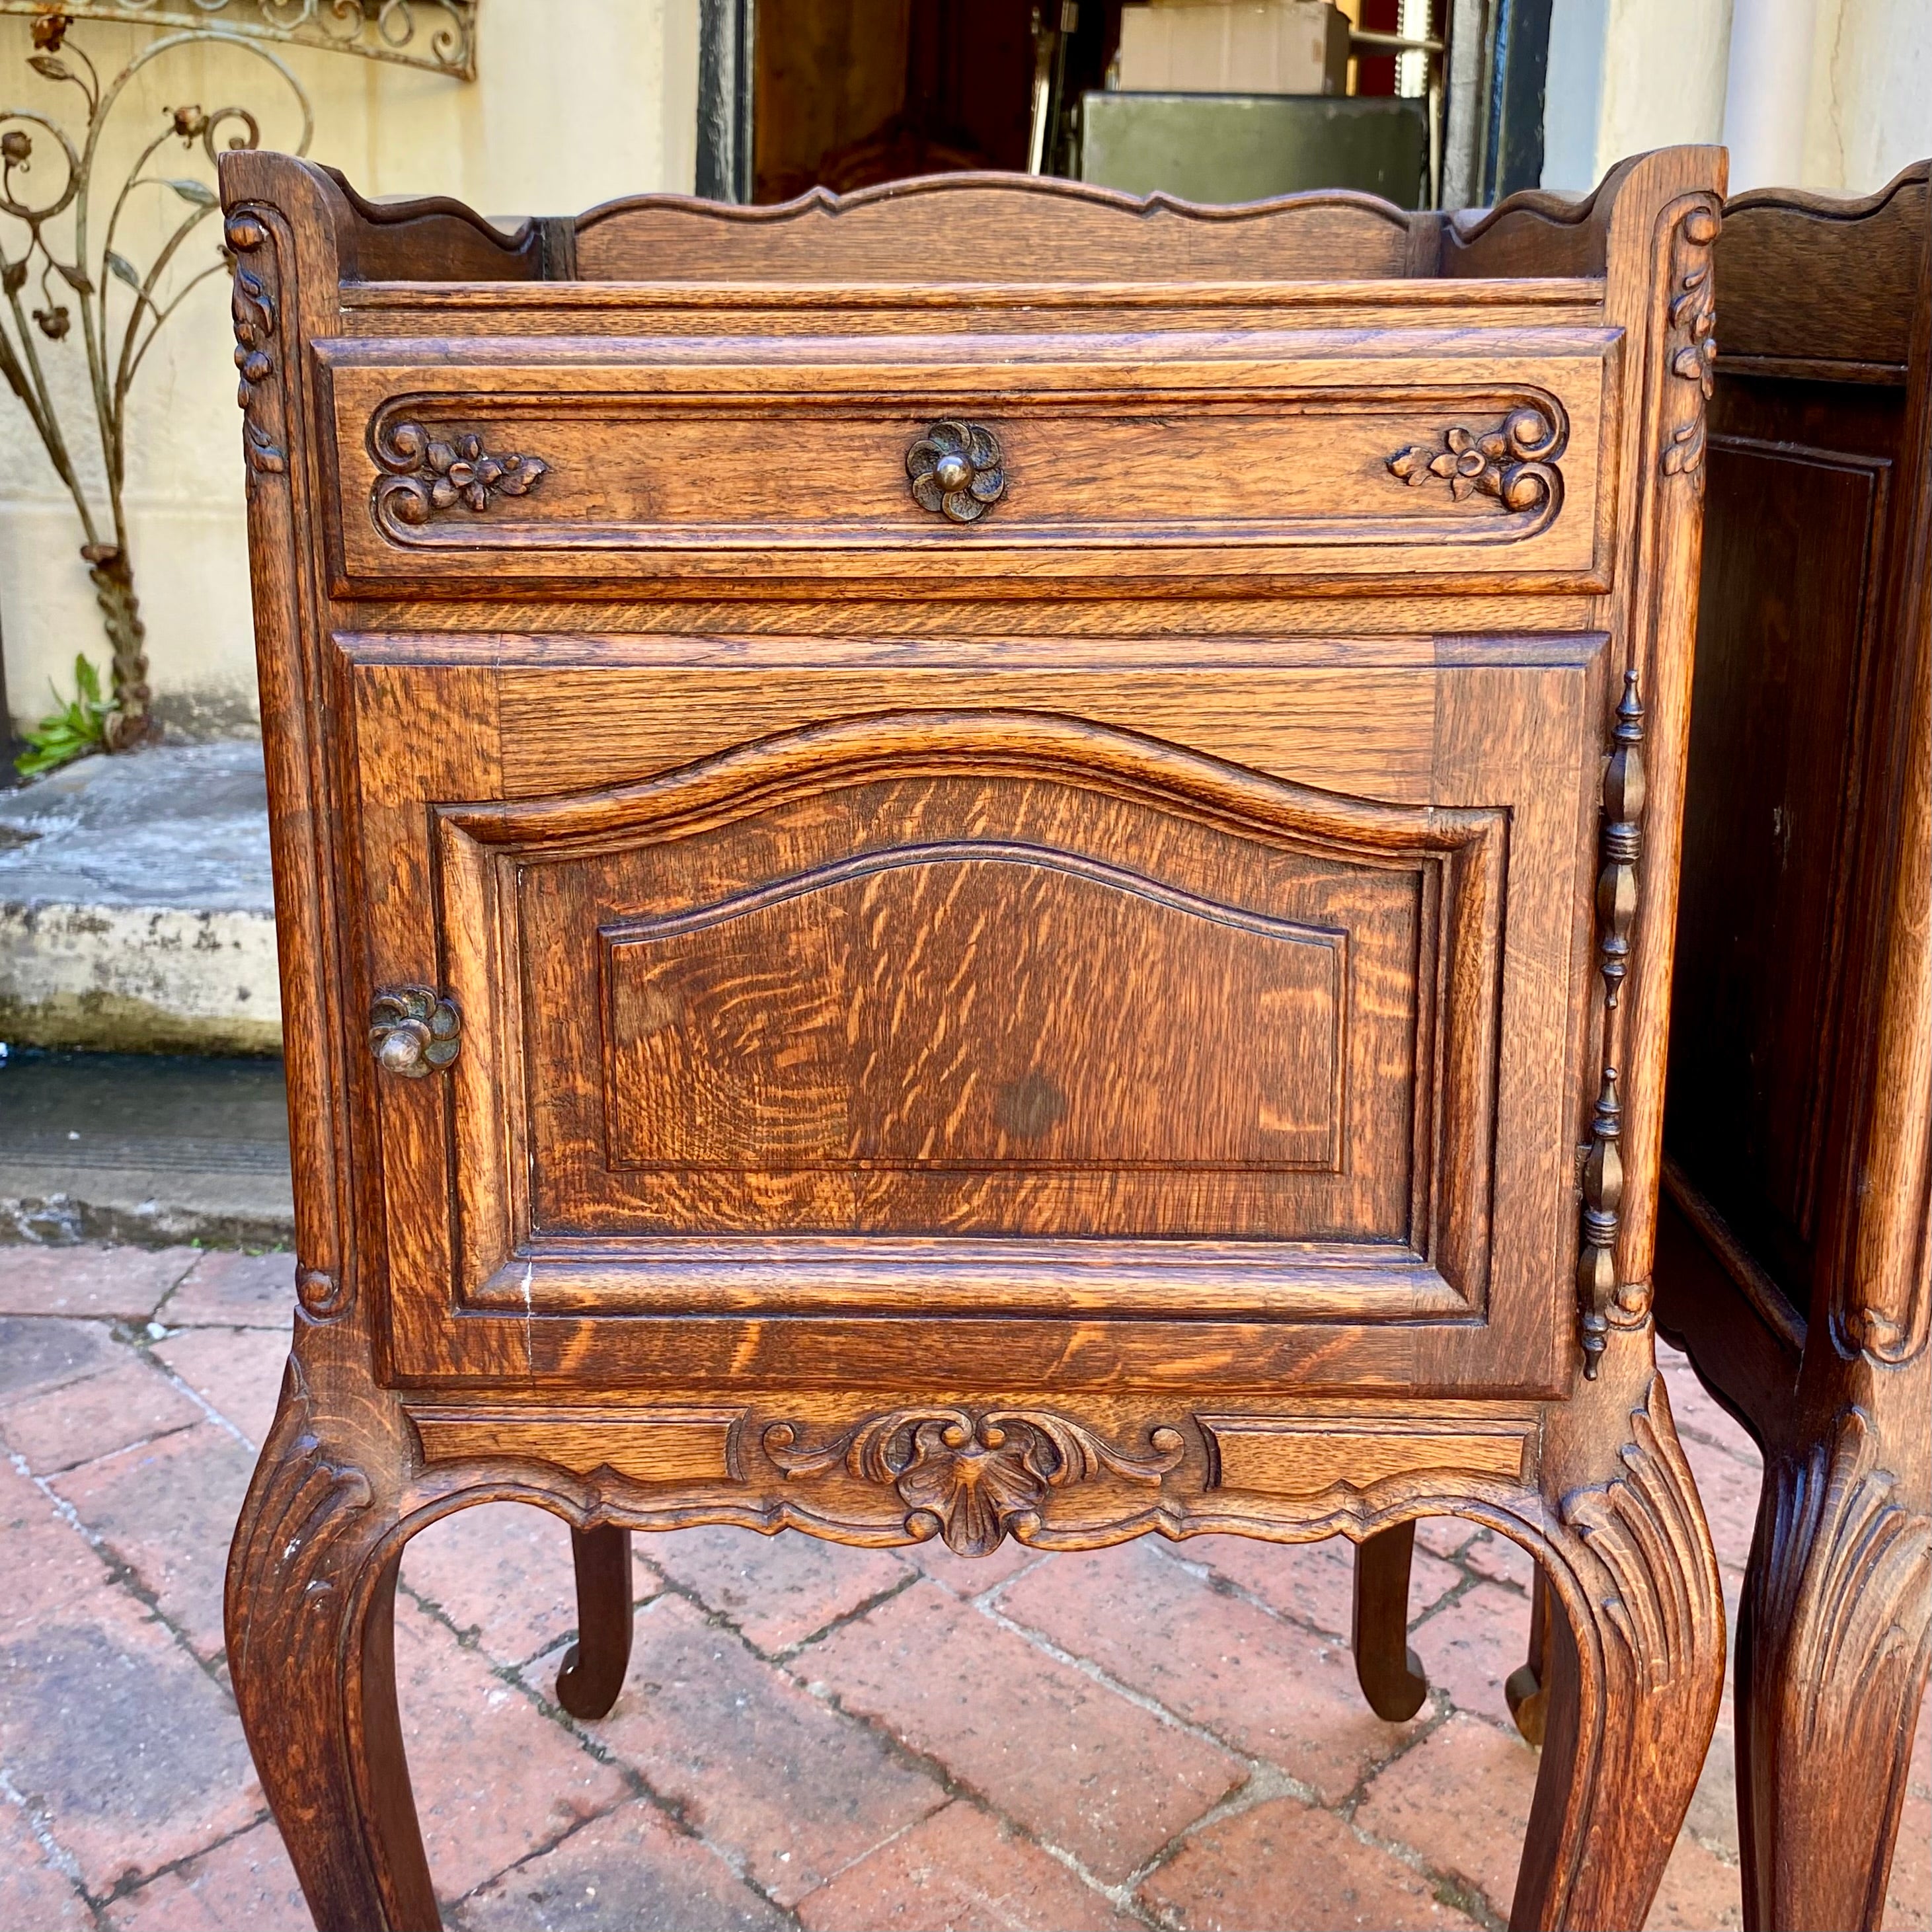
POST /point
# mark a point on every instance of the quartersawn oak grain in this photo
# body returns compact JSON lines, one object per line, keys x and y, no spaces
{"x":1800,"y":1111}
{"x":1067,"y":1027}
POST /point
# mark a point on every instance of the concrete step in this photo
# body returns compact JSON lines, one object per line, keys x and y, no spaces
{"x":144,"y":1147}
{"x":137,"y":911}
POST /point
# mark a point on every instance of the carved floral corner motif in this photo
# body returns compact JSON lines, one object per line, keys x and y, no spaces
{"x":252,"y":306}
{"x":1691,"y":344}
{"x":1510,"y":462}
{"x":429,"y":475}
{"x":972,"y":1480}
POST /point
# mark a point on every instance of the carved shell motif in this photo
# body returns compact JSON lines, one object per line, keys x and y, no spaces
{"x":955,"y":472}
{"x":972,"y":1482}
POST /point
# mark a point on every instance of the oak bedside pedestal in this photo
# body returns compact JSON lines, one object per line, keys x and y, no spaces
{"x":987,"y":860}
{"x":1794,"y":1258}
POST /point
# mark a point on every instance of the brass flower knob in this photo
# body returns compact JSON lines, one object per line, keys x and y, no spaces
{"x":955,"y":472}
{"x":411,"y":1031}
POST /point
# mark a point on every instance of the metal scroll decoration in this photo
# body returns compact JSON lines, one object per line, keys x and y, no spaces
{"x":431,"y":475}
{"x":1606,"y":1303}
{"x":75,"y":288}
{"x":972,"y":1480}
{"x":412,"y":1031}
{"x":438,"y":35}
{"x":59,"y":292}
{"x":1510,"y":462}
{"x":956,"y":471}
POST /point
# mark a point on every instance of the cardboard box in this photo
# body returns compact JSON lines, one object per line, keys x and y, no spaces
{"x":1232,"y":47}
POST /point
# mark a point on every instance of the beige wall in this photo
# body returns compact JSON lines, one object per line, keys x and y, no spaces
{"x":1870,"y":109}
{"x":576,"y":101}
{"x":1626,"y":75}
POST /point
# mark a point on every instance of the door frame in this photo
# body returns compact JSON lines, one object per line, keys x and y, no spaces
{"x":726,"y":124}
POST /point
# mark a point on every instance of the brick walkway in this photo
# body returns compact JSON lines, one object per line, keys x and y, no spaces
{"x":811,"y":1736}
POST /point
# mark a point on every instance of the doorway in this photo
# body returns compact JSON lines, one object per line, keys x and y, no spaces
{"x":850,"y":93}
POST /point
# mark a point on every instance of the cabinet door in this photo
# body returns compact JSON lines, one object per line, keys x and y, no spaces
{"x":1068,"y":1022}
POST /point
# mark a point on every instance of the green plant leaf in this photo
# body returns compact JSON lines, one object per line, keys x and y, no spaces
{"x":197,"y":192}
{"x":119,"y":265}
{"x":72,"y":731}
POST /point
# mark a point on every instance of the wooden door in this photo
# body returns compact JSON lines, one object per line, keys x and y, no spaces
{"x":1132,"y":1017}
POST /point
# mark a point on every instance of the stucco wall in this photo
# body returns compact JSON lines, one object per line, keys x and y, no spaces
{"x":576,"y":100}
{"x":1625,"y":75}
{"x":1870,"y":109}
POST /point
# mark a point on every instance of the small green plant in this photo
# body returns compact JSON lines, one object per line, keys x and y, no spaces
{"x":71,"y":732}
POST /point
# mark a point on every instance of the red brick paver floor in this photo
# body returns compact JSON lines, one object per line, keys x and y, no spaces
{"x":810,"y":1737}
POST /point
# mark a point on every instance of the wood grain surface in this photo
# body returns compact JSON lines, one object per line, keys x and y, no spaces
{"x":1069,"y":1026}
{"x":1799,"y":1275}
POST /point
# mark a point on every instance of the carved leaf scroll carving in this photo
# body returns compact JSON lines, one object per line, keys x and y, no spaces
{"x":1691,"y":344}
{"x":1644,"y":1527}
{"x":1509,"y":462}
{"x":972,"y":1481}
{"x":294,"y":1519}
{"x":1847,"y":1570}
{"x":252,"y":308}
{"x":324,"y":1296}
{"x":429,"y":475}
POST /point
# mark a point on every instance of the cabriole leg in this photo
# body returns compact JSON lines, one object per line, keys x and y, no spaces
{"x":1389,"y":1673}
{"x":1634,"y":1653}
{"x":1523,"y":1690}
{"x":592,"y":1671}
{"x":311,"y":1636}
{"x":1832,"y":1644}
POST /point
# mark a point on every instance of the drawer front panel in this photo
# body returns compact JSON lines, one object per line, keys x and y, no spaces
{"x":1441,"y":454}
{"x":1091,"y":1040}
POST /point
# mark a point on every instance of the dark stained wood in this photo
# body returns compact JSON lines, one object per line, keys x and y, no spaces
{"x":592,"y":1672}
{"x":1526,"y":1689}
{"x":1822,"y":279}
{"x":432,"y":237}
{"x":1066,"y":1025}
{"x":1389,"y":1673}
{"x":1786,"y":664}
{"x":871,"y":91}
{"x":1794,"y":1268}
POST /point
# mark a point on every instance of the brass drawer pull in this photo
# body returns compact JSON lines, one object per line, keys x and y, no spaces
{"x":411,"y":1031}
{"x":955,"y":472}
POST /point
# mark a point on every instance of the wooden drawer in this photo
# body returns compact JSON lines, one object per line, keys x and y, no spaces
{"x":992,"y":1019}
{"x":1409,"y":455}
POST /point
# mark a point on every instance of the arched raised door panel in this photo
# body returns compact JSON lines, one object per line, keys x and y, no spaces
{"x":994,"y":1013}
